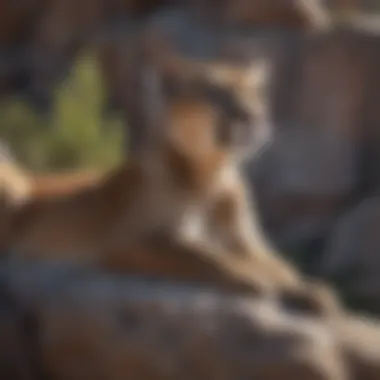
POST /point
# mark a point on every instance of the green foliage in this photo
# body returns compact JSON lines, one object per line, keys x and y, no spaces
{"x":76,"y":135}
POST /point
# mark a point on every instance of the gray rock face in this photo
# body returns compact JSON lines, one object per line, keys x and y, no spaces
{"x":324,"y":156}
{"x":351,"y":257}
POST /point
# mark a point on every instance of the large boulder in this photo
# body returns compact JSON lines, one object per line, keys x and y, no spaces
{"x":92,"y":325}
{"x":73,"y":323}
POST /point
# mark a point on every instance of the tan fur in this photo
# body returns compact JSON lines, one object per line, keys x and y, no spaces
{"x":19,"y":186}
{"x":55,"y":184}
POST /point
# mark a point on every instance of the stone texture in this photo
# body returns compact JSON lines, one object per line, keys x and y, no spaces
{"x":71,"y":323}
{"x":324,"y":157}
{"x":92,"y":325}
{"x":351,"y":257}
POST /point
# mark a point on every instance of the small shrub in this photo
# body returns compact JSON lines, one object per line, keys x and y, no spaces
{"x":75,"y":135}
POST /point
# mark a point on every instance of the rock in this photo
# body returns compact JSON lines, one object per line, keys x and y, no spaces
{"x":324,"y":155}
{"x":39,"y":40}
{"x":299,"y":14}
{"x":93,"y":325}
{"x":351,"y":258}
{"x":17,"y":335}
{"x":353,"y":5}
{"x":81,"y":324}
{"x":359,"y":339}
